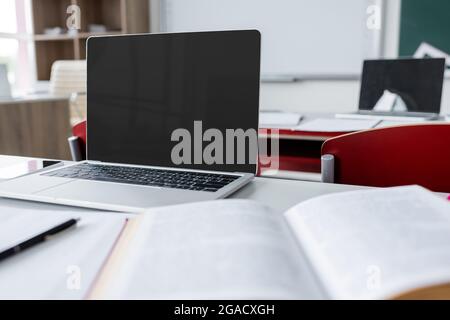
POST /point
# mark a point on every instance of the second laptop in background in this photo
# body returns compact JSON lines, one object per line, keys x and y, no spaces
{"x":409,"y":89}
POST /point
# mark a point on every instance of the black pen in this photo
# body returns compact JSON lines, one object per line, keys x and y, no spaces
{"x":37,"y":239}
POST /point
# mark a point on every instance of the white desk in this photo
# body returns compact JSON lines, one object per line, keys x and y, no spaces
{"x":278,"y":194}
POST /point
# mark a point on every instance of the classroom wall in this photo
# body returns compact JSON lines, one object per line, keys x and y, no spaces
{"x":326,"y":95}
{"x":336,"y":95}
{"x":322,"y":96}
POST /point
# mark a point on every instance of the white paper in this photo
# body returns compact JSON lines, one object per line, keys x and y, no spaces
{"x":386,"y":102}
{"x":278,"y":119}
{"x":390,"y":102}
{"x":389,"y":123}
{"x":63,"y":267}
{"x":215,"y":250}
{"x":376,"y":243}
{"x":337,"y":125}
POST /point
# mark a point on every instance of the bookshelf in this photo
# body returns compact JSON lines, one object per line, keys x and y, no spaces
{"x":118,"y":16}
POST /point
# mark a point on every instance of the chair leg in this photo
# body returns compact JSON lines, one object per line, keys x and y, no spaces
{"x":327,"y":163}
{"x":75,"y":150}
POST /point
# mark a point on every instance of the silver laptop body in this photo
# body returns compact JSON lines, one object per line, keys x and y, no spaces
{"x":108,"y":195}
{"x":390,"y":116}
{"x":132,"y":134}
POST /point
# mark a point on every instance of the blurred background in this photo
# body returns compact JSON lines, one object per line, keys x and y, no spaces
{"x":311,"y":59}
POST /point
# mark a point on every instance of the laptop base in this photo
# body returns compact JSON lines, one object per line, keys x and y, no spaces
{"x":122,"y":197}
{"x":390,"y":116}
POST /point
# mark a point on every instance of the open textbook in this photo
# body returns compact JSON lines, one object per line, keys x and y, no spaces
{"x":371,"y":244}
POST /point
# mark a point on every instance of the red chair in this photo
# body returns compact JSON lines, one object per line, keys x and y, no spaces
{"x":77,"y":142}
{"x":386,"y":157}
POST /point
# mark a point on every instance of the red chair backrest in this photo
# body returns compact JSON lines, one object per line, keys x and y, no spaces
{"x":395,"y":156}
{"x":79,"y":130}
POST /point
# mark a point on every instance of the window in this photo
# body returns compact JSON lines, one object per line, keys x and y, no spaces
{"x":15,"y":49}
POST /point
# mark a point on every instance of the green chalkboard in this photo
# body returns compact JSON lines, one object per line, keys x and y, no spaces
{"x":424,"y":21}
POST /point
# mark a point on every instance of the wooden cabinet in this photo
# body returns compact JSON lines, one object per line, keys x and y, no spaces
{"x":35,"y":128}
{"x":118,"y":16}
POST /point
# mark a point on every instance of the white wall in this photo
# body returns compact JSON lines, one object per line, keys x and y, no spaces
{"x":336,"y":95}
{"x":328,"y":95}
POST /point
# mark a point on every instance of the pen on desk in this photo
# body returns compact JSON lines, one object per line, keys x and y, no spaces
{"x":37,"y":239}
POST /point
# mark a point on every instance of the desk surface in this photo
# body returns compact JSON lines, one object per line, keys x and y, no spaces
{"x":277,"y":194}
{"x":291,"y":134}
{"x":33,"y":98}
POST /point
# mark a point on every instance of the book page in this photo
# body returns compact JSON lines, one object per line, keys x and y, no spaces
{"x":376,"y":243}
{"x":215,"y":250}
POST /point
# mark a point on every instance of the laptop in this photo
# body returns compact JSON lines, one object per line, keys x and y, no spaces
{"x":400,"y":89}
{"x":5,"y":87}
{"x":144,"y":92}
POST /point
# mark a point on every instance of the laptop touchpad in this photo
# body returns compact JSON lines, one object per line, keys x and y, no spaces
{"x":112,"y":193}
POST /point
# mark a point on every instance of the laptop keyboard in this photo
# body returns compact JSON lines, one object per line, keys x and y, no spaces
{"x":185,"y":180}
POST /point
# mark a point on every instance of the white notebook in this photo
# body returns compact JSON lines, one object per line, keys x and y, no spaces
{"x":64,"y":266}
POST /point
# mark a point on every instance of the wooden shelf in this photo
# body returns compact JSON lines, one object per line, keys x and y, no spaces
{"x":85,"y":35}
{"x":48,"y":37}
{"x":63,"y":37}
{"x":119,"y":16}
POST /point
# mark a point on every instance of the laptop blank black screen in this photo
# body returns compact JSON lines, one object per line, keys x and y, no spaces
{"x":417,"y":81}
{"x":141,"y":88}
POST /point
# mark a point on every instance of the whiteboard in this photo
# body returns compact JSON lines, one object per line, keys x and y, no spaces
{"x":300,"y":38}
